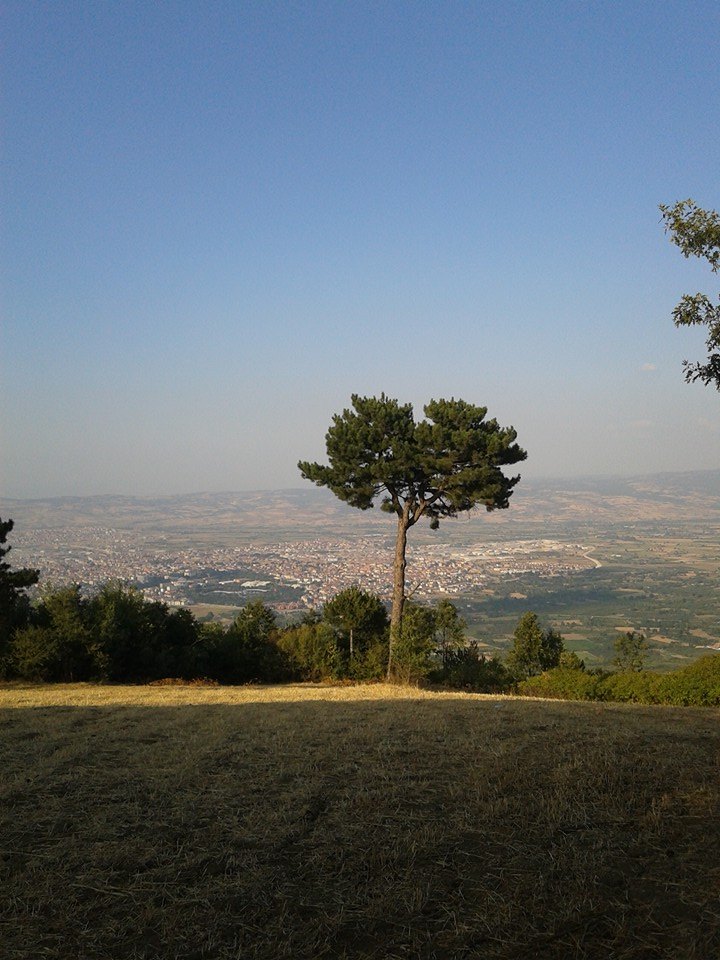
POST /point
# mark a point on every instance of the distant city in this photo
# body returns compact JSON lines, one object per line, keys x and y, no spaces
{"x":292,"y":575}
{"x":590,"y":556}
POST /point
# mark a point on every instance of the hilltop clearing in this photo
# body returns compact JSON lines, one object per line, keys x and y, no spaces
{"x":315,"y":821}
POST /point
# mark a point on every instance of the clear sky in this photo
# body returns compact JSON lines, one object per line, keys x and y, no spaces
{"x":223,"y":218}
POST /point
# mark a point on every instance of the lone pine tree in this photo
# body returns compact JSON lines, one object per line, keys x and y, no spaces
{"x":434,"y":468}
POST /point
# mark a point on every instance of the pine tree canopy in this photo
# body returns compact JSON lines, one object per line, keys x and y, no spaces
{"x":437,"y":467}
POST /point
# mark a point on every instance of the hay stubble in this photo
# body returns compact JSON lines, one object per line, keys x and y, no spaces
{"x":353,"y":822}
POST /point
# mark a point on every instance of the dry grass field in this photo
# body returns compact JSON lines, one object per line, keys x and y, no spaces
{"x":309,"y":822}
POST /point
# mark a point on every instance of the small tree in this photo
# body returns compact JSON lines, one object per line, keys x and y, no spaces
{"x":436,"y":468}
{"x":416,"y":644}
{"x":248,"y":650}
{"x":13,"y":584}
{"x":357,"y":616}
{"x":630,"y":652}
{"x":58,"y":645}
{"x":449,"y":630}
{"x":312,"y":650}
{"x":64,"y":613}
{"x":569,"y":660}
{"x":124,"y":633}
{"x":469,"y":669}
{"x":533,"y":650}
{"x":697,"y":233}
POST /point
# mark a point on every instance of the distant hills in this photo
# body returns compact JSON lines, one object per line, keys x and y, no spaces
{"x":302,"y":512}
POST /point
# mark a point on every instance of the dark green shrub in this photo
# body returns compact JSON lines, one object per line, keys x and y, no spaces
{"x":571,"y":661}
{"x":59,"y":645}
{"x":632,"y":687}
{"x":14,"y":604}
{"x":696,"y":684}
{"x":312,"y":651}
{"x":468,"y":669}
{"x":371,"y":664}
{"x":413,"y":649}
{"x":33,"y":653}
{"x":125,"y":626}
{"x":630,"y":652}
{"x":248,"y":650}
{"x":562,"y":683}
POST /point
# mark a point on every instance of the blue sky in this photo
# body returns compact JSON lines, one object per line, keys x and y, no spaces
{"x":222,"y":219}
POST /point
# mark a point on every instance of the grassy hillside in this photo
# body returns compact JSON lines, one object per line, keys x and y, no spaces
{"x":162,"y":822}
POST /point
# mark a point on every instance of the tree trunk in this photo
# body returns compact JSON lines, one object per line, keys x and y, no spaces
{"x":398,"y":600}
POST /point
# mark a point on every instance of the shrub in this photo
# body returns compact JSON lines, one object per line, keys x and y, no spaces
{"x":33,"y":653}
{"x":571,"y":661}
{"x":413,"y":649}
{"x":696,"y":684}
{"x":632,"y":687}
{"x":562,"y":683}
{"x":371,"y":663}
{"x":312,"y":651}
{"x":59,"y":645}
{"x":630,"y":652}
{"x":466,"y":668}
{"x":248,"y":650}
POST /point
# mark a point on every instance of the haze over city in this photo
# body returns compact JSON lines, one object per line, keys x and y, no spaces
{"x":223,"y":219}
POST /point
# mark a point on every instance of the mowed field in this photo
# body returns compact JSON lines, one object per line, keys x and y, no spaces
{"x":308,"y":821}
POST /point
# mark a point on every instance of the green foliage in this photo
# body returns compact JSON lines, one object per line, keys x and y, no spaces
{"x":248,"y":651}
{"x":117,"y":635}
{"x":312,"y":651}
{"x":562,"y":683}
{"x":461,"y":665}
{"x":697,"y":233}
{"x":64,"y":613}
{"x":372,"y":663}
{"x":32,"y":653}
{"x":534,"y":650}
{"x":58,"y":646}
{"x":569,"y":660}
{"x":632,"y":687}
{"x":126,"y":632}
{"x":697,"y":684}
{"x":180,"y":653}
{"x":359,"y":619}
{"x":348,"y":640}
{"x":630,"y":651}
{"x":449,"y":631}
{"x":415,"y":647}
{"x":439,"y":466}
{"x":14,"y":606}
{"x":465,"y":668}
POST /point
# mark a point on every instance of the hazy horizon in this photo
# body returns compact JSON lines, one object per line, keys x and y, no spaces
{"x":221,"y":221}
{"x":539,"y":481}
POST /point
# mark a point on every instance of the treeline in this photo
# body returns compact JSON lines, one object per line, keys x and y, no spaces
{"x":119,"y":636}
